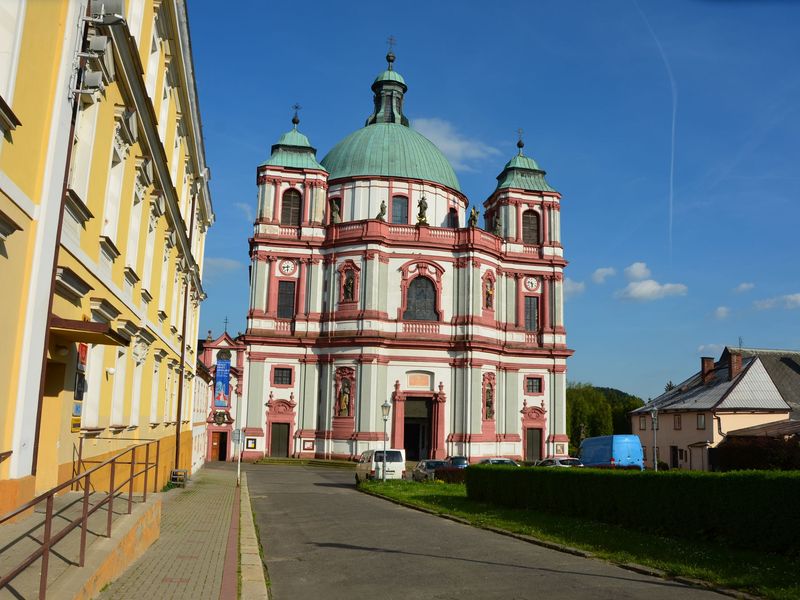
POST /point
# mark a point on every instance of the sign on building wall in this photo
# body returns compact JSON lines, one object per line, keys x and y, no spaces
{"x":222,"y":380}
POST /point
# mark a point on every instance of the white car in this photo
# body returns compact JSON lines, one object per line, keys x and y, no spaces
{"x":370,"y":464}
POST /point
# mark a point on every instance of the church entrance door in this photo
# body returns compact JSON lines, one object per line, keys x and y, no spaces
{"x":417,"y":429}
{"x":279,"y":440}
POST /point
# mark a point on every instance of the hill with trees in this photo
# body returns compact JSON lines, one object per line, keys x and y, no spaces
{"x":593,"y":411}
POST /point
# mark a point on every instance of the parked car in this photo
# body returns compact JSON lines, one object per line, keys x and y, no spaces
{"x":370,"y":464}
{"x":499,"y":460}
{"x":559,"y":462}
{"x":612,"y":451}
{"x":425,"y":469}
{"x":459,"y":462}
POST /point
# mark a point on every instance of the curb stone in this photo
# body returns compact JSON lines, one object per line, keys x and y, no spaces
{"x":253,"y":583}
{"x":636,"y":568}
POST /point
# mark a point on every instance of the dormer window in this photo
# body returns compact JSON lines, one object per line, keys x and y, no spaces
{"x":290,"y":208}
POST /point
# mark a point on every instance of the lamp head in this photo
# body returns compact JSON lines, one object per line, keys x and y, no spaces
{"x":385,"y":409}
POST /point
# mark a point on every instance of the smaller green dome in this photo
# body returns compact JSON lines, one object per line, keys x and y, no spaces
{"x":293,"y":151}
{"x":294,"y":138}
{"x":522,"y":173}
{"x":390,"y":75}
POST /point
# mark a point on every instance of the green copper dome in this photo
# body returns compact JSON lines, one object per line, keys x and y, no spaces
{"x":390,"y":75}
{"x":522,"y":173}
{"x":387,"y":146}
{"x":293,"y":151}
{"x":389,"y":150}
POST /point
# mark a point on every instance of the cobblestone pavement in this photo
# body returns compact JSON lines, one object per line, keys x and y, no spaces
{"x":188,"y":558}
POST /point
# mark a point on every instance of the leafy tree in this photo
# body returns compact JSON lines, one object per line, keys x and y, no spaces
{"x":669,"y":386}
{"x":588,"y":413}
{"x":593,"y":411}
{"x":621,"y":404}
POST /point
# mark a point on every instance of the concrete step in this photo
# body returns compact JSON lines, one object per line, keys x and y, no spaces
{"x":18,"y":540}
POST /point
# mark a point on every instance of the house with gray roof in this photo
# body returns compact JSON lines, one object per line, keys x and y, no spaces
{"x":745,"y":388}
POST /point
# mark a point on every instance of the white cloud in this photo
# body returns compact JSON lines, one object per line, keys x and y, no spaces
{"x":246,"y":210}
{"x":637,"y":271}
{"x":743,"y":287}
{"x":573,"y":288}
{"x":600,"y":275}
{"x":722,"y":312}
{"x":787,"y":301}
{"x":713,"y":349}
{"x":461,"y":151}
{"x":650,"y":289}
{"x":214,"y":267}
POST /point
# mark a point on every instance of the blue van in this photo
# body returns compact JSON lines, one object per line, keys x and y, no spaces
{"x":612,"y":451}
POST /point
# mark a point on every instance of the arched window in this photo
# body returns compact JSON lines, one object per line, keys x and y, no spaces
{"x":530,"y":227}
{"x":290,"y":208}
{"x":420,"y":300}
{"x":400,"y":210}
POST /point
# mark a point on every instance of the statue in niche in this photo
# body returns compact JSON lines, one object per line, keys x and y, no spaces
{"x":422,"y":218}
{"x":473,"y":217}
{"x":489,"y":294}
{"x":382,"y":215}
{"x":489,"y":402}
{"x":343,"y":405}
{"x":498,"y":225}
{"x":335,"y":216}
{"x":348,"y":290}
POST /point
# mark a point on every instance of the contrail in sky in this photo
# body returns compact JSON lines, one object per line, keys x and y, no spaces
{"x":674,"y":89}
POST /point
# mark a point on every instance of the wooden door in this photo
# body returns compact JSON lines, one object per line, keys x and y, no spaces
{"x":533,"y":444}
{"x":279,"y":440}
{"x":215,"y":445}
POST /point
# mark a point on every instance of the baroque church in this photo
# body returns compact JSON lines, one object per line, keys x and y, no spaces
{"x":371,"y":281}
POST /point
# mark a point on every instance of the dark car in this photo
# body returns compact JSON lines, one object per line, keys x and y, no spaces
{"x":425,"y":469}
{"x":459,"y":462}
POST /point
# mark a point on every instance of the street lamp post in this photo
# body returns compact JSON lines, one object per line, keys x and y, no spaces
{"x":654,"y":419}
{"x":385,"y":408}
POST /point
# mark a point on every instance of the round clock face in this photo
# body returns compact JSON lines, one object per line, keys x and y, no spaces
{"x":287,"y":267}
{"x":531,"y":283}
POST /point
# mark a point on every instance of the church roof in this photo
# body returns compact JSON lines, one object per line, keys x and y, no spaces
{"x":522,"y":172}
{"x":389,"y":150}
{"x":386,"y":146}
{"x":293,"y":151}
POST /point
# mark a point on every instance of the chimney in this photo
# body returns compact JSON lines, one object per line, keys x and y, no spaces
{"x":707,"y":369}
{"x":735,"y":365}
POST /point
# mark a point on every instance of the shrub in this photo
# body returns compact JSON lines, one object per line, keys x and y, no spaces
{"x":751,"y":509}
{"x":449,"y":474}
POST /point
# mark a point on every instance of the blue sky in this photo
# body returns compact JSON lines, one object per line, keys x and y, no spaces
{"x":594,"y":85}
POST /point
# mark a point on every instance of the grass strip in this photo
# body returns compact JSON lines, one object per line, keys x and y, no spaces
{"x":767,"y":575}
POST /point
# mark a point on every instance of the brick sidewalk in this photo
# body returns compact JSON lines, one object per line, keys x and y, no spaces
{"x":187,"y":561}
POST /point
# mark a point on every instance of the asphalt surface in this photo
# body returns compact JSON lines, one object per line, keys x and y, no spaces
{"x":324,"y":539}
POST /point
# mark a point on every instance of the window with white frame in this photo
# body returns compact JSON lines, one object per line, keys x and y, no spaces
{"x":153,"y":61}
{"x":118,"y":394}
{"x":135,"y":224}
{"x":116,"y":174}
{"x":82,"y":147}
{"x":154,"y":416}
{"x":12,"y":16}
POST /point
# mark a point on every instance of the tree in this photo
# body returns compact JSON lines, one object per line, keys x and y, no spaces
{"x":621,"y":405}
{"x":669,"y":386}
{"x":588,"y":413}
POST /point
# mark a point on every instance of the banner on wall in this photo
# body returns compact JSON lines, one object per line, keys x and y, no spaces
{"x":222,"y":380}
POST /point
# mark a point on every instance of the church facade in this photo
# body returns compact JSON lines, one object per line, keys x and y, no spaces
{"x":372,"y":282}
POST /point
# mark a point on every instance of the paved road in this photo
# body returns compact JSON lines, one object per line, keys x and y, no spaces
{"x":323,"y":539}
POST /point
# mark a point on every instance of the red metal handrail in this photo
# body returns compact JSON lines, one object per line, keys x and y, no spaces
{"x":50,"y":538}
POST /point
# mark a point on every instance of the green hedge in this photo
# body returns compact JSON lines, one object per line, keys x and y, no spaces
{"x":749,"y":509}
{"x":449,"y":474}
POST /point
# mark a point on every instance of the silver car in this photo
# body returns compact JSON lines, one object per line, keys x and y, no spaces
{"x":560,"y":462}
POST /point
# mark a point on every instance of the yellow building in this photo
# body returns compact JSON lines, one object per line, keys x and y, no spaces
{"x":104,"y":208}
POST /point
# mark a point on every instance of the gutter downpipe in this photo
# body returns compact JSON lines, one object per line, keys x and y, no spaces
{"x":181,"y":377}
{"x":57,"y":246}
